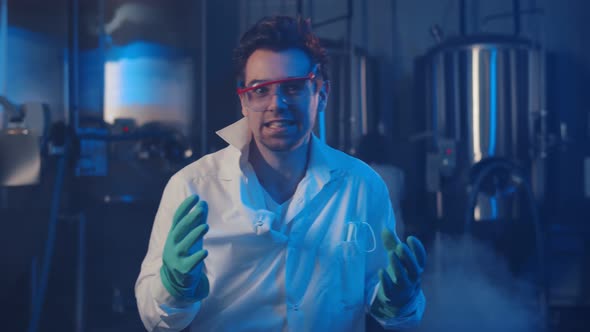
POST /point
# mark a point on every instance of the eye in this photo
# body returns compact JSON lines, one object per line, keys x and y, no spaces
{"x":261,"y":91}
{"x":294,"y":87}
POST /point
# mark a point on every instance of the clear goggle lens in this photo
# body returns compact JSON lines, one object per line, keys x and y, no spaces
{"x":291,"y":91}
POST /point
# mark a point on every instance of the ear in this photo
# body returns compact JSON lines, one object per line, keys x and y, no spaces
{"x":240,"y":83}
{"x":323,"y":96}
{"x":244,"y":109}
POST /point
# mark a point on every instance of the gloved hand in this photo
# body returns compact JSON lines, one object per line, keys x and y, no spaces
{"x":181,"y":271}
{"x":400,"y":281}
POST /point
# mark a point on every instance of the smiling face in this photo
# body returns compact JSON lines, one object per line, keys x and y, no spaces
{"x":281,"y":127}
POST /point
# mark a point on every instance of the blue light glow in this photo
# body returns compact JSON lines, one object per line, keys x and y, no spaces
{"x":142,"y":65}
{"x":493,"y":105}
{"x":141,"y":49}
{"x":148,"y":82}
{"x":494,"y":207}
{"x":148,"y":74}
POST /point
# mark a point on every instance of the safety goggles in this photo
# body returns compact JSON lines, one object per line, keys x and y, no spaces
{"x":291,"y":91}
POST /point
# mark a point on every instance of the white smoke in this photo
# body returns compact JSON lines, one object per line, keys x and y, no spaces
{"x":470,"y":288}
{"x":136,"y":13}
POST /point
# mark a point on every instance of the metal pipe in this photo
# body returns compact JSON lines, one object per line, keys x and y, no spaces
{"x":66,"y":85}
{"x":48,"y":253}
{"x":331,"y":20}
{"x":516,"y":16}
{"x":3,"y":51}
{"x":203,"y":77}
{"x":3,"y":47}
{"x":462,"y":16}
{"x":34,"y":282}
{"x":363,"y":96}
{"x":457,"y":84}
{"x":363,"y":69}
{"x":74,"y":65}
{"x":80,"y":274}
{"x":342,"y":101}
{"x":351,"y":82}
{"x":102,"y":35}
{"x":300,"y":7}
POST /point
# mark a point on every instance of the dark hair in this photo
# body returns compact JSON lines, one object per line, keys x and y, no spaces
{"x":278,"y":33}
{"x":372,"y":148}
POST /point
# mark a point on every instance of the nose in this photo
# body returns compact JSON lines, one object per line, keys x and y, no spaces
{"x":277,"y":101}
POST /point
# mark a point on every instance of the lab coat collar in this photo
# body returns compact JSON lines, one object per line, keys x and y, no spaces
{"x":237,"y":134}
{"x":322,"y":163}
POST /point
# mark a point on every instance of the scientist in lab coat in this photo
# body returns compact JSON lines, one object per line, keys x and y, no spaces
{"x":278,"y":231}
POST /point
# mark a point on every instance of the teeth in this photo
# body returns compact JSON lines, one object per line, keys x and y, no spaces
{"x":278,"y":124}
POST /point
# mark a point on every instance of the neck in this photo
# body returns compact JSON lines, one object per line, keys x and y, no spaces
{"x":279,"y":172}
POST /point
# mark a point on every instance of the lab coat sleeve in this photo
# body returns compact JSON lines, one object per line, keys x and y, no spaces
{"x":382,"y":213}
{"x":409,"y":315}
{"x":160,"y":311}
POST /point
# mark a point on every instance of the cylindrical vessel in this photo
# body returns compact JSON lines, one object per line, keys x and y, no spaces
{"x":484,"y":100}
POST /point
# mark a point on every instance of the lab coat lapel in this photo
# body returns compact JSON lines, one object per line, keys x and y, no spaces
{"x":321,"y":170}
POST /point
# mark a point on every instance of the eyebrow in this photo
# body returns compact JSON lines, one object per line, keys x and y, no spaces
{"x":253,"y":82}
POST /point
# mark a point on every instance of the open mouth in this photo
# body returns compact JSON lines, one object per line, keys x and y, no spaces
{"x":279,"y":124}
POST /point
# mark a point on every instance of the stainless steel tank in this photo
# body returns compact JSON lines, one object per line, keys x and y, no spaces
{"x":484,"y":98}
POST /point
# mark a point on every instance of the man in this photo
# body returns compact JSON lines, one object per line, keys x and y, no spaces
{"x":276,"y":231}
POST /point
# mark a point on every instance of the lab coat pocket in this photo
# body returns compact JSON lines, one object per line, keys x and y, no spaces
{"x":339,"y":291}
{"x":352,"y":268}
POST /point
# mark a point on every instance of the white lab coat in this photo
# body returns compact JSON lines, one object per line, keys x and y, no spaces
{"x":296,"y":274}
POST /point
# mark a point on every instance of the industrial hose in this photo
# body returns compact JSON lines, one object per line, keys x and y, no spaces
{"x":518,"y":177}
{"x":39,"y":299}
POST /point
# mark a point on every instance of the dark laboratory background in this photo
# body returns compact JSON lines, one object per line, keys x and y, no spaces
{"x":484,"y":107}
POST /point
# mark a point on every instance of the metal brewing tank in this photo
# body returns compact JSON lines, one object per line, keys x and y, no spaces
{"x":485,"y":101}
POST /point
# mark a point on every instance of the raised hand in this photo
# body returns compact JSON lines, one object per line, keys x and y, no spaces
{"x":181,"y":271}
{"x":400,"y":281}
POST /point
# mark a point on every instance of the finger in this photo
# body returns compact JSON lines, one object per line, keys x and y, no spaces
{"x":195,"y":259}
{"x":184,"y":208}
{"x":418,"y":250}
{"x":390,"y":240}
{"x":387,"y":284}
{"x":185,"y":246}
{"x":195,"y":218}
{"x":397,"y":271}
{"x":409,"y":262}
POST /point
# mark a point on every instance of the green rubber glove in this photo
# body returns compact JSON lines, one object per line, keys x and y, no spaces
{"x":181,"y":271}
{"x":400,"y":281}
